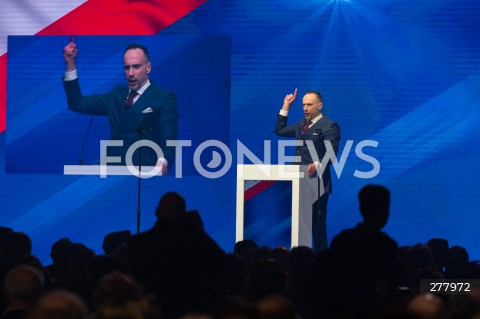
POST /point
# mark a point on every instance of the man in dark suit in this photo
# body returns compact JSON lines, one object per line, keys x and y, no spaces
{"x":318,"y":128}
{"x":141,"y":111}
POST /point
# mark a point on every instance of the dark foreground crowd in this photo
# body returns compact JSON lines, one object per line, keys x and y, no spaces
{"x":176,"y":270}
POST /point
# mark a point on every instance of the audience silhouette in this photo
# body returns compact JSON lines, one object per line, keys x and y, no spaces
{"x":176,"y":260}
{"x":59,"y":304}
{"x":22,"y":288}
{"x":176,"y":270}
{"x":359,"y":267}
{"x":114,"y":240}
{"x":439,"y":248}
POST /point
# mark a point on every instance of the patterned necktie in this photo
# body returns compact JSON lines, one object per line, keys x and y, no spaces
{"x":306,"y":126}
{"x":129,"y":100}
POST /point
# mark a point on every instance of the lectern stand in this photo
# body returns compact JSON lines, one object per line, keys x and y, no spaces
{"x":304,"y":194}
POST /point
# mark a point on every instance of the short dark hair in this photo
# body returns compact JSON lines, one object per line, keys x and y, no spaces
{"x":171,"y":205}
{"x":373,"y":199}
{"x":138,"y":46}
{"x":317,"y":94}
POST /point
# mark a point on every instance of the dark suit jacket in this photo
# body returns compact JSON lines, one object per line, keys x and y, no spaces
{"x":158,"y":126}
{"x":323,"y":129}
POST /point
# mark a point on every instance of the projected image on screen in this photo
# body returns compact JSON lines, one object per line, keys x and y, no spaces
{"x":44,"y":135}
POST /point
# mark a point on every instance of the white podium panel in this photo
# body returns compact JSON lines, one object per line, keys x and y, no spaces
{"x":304,"y":194}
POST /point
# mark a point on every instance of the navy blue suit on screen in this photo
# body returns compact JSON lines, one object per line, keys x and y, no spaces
{"x":154,"y":117}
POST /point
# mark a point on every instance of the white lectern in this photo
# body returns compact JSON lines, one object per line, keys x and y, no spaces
{"x":304,"y":194}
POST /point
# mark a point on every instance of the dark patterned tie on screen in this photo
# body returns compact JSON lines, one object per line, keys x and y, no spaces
{"x":306,"y":126}
{"x":129,"y":100}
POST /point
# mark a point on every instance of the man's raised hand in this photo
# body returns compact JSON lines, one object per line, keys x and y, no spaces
{"x":70,"y":52}
{"x":289,"y":100}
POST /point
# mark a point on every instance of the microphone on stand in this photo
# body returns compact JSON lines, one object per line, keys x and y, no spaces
{"x":318,"y":132}
{"x":85,"y":140}
{"x":141,"y":132}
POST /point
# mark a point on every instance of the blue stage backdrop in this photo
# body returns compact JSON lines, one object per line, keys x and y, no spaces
{"x":401,"y":78}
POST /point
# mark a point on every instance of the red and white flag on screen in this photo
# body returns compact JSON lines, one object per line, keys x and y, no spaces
{"x":83,"y":17}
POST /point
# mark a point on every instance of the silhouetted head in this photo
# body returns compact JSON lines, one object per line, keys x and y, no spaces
{"x":418,"y":257}
{"x":61,"y":250}
{"x":113,"y":240}
{"x":59,"y":304}
{"x":172,"y":205}
{"x":375,"y":204}
{"x":236,"y":308}
{"x":301,"y":255}
{"x":456,"y":262}
{"x":439,"y":248}
{"x":4,"y":231}
{"x":428,"y":306}
{"x":24,"y":283}
{"x":266,"y":278}
{"x":276,"y":307}
{"x":243,"y":245}
{"x":116,"y":287}
{"x":15,"y":246}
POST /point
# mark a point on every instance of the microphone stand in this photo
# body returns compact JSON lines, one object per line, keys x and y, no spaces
{"x":85,"y":140}
{"x":318,"y":179}
{"x":318,"y":132}
{"x":139,"y":184}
